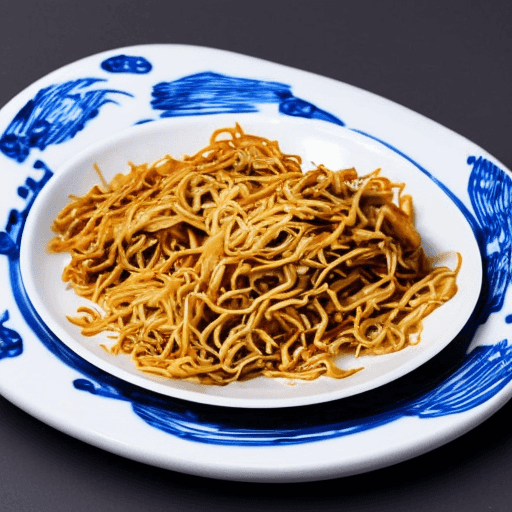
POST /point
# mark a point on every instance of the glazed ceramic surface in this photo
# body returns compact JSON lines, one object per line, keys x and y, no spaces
{"x":463,"y":198}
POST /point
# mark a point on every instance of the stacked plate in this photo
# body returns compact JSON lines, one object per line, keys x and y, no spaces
{"x":137,"y":104}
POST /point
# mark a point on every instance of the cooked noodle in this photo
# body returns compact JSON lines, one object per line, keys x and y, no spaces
{"x":233,"y":263}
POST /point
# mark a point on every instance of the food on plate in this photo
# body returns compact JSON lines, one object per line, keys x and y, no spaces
{"x":233,"y":263}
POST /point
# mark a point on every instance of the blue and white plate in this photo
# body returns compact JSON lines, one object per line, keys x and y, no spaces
{"x":463,"y":196}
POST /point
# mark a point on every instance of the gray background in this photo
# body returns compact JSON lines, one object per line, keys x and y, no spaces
{"x":448,"y":60}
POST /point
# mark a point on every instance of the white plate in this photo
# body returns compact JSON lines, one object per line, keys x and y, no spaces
{"x":83,"y":103}
{"x":444,"y":230}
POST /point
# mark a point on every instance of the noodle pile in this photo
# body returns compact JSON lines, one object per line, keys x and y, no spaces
{"x":233,"y":263}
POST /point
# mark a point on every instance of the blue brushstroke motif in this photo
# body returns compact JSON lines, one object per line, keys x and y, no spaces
{"x":215,"y":93}
{"x":7,"y":245}
{"x":127,"y":64}
{"x":485,"y":371}
{"x":144,"y":121}
{"x":451,"y":382}
{"x":490,"y":192}
{"x":10,"y":239}
{"x":11,"y":344}
{"x":55,"y":115}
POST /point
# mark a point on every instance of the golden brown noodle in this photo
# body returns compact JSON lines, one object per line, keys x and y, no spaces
{"x":232,"y":263}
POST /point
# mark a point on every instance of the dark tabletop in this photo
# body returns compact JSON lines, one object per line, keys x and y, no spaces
{"x":449,"y":60}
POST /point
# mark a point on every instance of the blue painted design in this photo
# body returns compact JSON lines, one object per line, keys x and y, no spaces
{"x":104,"y":390}
{"x":127,"y":64}
{"x":10,"y":239}
{"x":215,"y":93}
{"x":7,"y":245}
{"x":11,"y":344}
{"x":56,"y":114}
{"x":144,"y":121}
{"x":490,"y":192}
{"x":484,"y":372}
{"x":508,"y":319}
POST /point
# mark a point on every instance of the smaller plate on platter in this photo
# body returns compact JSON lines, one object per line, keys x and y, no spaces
{"x":443,"y":228}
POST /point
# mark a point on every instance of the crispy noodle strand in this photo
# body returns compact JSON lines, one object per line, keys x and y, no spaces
{"x":233,"y":263}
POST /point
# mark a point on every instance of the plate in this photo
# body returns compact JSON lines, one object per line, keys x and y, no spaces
{"x":444,"y":229}
{"x":85,"y":102}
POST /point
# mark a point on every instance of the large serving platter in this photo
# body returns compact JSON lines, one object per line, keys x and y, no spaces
{"x":455,"y":389}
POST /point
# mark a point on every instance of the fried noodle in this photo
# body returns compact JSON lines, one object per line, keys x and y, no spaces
{"x":233,"y":263}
